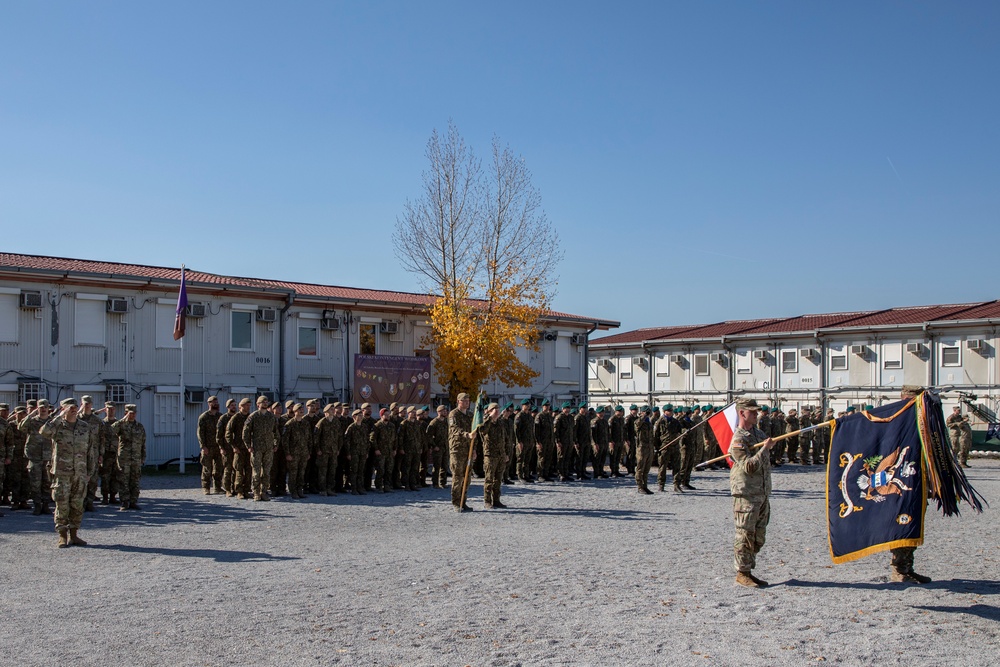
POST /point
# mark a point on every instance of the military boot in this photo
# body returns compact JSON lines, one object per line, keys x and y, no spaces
{"x":677,"y":488}
{"x":75,"y":539}
{"x":104,"y":499}
{"x":88,"y":505}
{"x":45,"y":508}
{"x":744,"y":579}
{"x":63,"y":538}
{"x":37,"y":509}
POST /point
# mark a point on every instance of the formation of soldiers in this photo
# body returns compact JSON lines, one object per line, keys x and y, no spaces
{"x":810,"y":448}
{"x":64,"y":456}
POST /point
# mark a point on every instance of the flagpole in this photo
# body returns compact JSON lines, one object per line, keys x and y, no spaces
{"x":701,"y":423}
{"x":183,"y":402}
{"x":776,"y":439}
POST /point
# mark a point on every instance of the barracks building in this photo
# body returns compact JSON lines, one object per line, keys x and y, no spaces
{"x":70,"y":327}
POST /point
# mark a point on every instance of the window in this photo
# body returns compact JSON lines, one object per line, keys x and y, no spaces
{"x":838,"y":357}
{"x":743,"y":361}
{"x":166,"y":314}
{"x":892,"y":355}
{"x":241,"y":331}
{"x":116,"y":393}
{"x":662,"y":366}
{"x":625,"y":368}
{"x":701,"y":364}
{"x":167,"y":419}
{"x":366,"y":338}
{"x":562,"y":351}
{"x":91,"y":315}
{"x":8,"y":314}
{"x":309,"y":341}
{"x":591,"y":369}
{"x":31,"y":391}
{"x":951,"y":354}
{"x":789,"y":361}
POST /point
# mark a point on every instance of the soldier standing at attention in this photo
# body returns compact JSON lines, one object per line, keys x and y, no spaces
{"x":109,"y":456}
{"x":74,"y":459}
{"x":329,"y":440}
{"x":383,"y":449}
{"x":298,"y":441}
{"x":750,"y":486}
{"x":806,"y":439}
{"x":545,"y":437}
{"x":38,"y":450}
{"x":278,"y":471}
{"x":644,"y":450}
{"x":600,"y":435}
{"x":792,"y":443}
{"x":369,"y":423}
{"x":563,"y":428}
{"x":260,"y":433}
{"x":17,"y":472}
{"x":494,"y":437}
{"x":633,"y":414}
{"x":616,"y":440}
{"x":88,"y":415}
{"x":524,"y":430}
{"x":356,"y":440}
{"x":581,"y":436}
{"x":242,"y":469}
{"x":902,"y":557}
{"x":437,"y":435}
{"x":226,"y":448}
{"x":211,"y":457}
{"x":777,"y":428}
{"x":460,"y":436}
{"x":131,"y":457}
{"x":510,"y":438}
{"x":666,"y":431}
{"x":961,"y":435}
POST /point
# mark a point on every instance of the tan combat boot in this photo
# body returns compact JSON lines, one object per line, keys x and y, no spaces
{"x":74,"y":539}
{"x":744,"y":579}
{"x":63,"y":538}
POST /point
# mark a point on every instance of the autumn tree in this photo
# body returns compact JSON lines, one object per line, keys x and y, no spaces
{"x":481,"y":243}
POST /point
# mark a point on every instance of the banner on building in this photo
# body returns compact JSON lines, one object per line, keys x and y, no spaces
{"x":389,"y":379}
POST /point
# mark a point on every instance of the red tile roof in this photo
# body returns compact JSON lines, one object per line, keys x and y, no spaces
{"x":98,"y":269}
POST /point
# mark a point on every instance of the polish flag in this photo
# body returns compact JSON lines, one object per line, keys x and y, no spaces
{"x":723,"y":425}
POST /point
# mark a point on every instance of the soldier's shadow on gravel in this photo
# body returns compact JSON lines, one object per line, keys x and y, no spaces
{"x":982,"y":587}
{"x":598,"y":513}
{"x":980,"y":610}
{"x":161,"y":512}
{"x":218,"y":555}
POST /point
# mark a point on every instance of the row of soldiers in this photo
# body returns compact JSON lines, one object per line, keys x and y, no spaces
{"x":806,"y":448}
{"x":26,"y":463}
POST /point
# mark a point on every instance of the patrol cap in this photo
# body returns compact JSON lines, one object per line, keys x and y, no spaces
{"x":85,"y":399}
{"x":910,"y":390}
{"x":366,"y":406}
{"x":526,"y":401}
{"x":312,"y":401}
{"x":262,"y":399}
{"x":288,"y":404}
{"x":330,"y":407}
{"x":130,"y":407}
{"x":463,"y":396}
{"x":620,"y":408}
{"x":491,"y":406}
{"x":297,"y":406}
{"x":66,"y":402}
{"x":212,"y":398}
{"x":32,"y":403}
{"x":4,"y":406}
{"x":43,"y":403}
{"x":410,"y":409}
{"x":747,"y":404}
{"x":230,"y":401}
{"x":20,"y":409}
{"x":392,"y":406}
{"x":356,"y":412}
{"x":442,"y":408}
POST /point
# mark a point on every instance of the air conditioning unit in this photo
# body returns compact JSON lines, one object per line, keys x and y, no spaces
{"x":677,"y":359}
{"x":197,"y":310}
{"x":760,"y":354}
{"x":718,"y":357}
{"x":389,"y":327}
{"x":550,"y":335}
{"x":194,"y":396}
{"x":329,"y":324}
{"x":31,"y":300}
{"x":267,"y":315}
{"x":807,"y":352}
{"x":974,"y":344}
{"x":915,"y":348}
{"x":117,"y":305}
{"x":860,"y":350}
{"x":606,"y":364}
{"x":578,"y":339}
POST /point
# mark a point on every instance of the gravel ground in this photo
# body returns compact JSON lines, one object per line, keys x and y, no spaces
{"x":581,"y":574}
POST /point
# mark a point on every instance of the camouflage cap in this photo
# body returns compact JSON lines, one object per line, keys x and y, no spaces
{"x":212,"y":398}
{"x":392,"y":406}
{"x":32,"y":403}
{"x":366,"y":406}
{"x":910,"y":390}
{"x":130,"y":407}
{"x":66,"y":402}
{"x":297,"y":406}
{"x":4,"y":406}
{"x":442,"y":408}
{"x":356,"y":412}
{"x":288,"y":404}
{"x":463,"y":397}
{"x":230,"y":401}
{"x":42,"y":403}
{"x":20,"y":409}
{"x":747,"y":404}
{"x":312,"y":401}
{"x":491,"y":406}
{"x":109,"y":404}
{"x":86,"y":399}
{"x":329,"y":407}
{"x":262,"y":399}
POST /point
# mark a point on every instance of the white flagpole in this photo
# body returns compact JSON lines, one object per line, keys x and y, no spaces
{"x":183,"y":402}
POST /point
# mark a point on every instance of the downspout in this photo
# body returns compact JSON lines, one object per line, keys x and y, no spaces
{"x":821,"y":344}
{"x":649,"y":374}
{"x":289,"y":300}
{"x":586,"y":362}
{"x":730,"y":370}
{"x":931,"y":357}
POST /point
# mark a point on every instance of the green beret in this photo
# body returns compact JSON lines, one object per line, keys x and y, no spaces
{"x":633,"y":407}
{"x":763,"y":408}
{"x":599,"y":409}
{"x":509,"y":406}
{"x":526,"y":401}
{"x":706,"y":407}
{"x":646,"y":409}
{"x":688,"y":410}
{"x":669,"y":406}
{"x":565,"y":405}
{"x":656,"y":408}
{"x":850,"y":408}
{"x":545,"y":401}
{"x":620,"y":408}
{"x":869,"y":407}
{"x":582,"y":406}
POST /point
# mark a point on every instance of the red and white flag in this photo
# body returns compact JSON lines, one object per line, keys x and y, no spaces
{"x":723,"y":424}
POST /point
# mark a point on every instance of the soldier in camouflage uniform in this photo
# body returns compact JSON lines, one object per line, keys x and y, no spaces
{"x":666,"y":430}
{"x":38,"y":451}
{"x":131,"y":456}
{"x":211,"y":457}
{"x":750,"y":486}
{"x":616,"y":440}
{"x":109,"y":457}
{"x":279,"y":471}
{"x":17,"y":472}
{"x":437,"y":435}
{"x":546,"y":443}
{"x":494,"y":436}
{"x":792,"y":443}
{"x":261,"y":435}
{"x":356,"y":440}
{"x":643,"y":450}
{"x":633,"y":414}
{"x":329,"y":440}
{"x":6,"y":452}
{"x":961,"y":435}
{"x":383,"y":448}
{"x":312,"y":417}
{"x":74,"y":460}
{"x":297,"y":439}
{"x":583,"y":442}
{"x":242,"y":468}
{"x":778,"y":427}
{"x":806,"y":439}
{"x":524,"y":431}
{"x":87,"y":414}
{"x":226,"y":448}
{"x":510,"y":438}
{"x":460,"y":437}
{"x":564,"y":429}
{"x":600,"y":435}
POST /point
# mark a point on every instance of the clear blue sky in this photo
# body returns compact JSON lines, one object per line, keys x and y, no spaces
{"x":702,"y":161}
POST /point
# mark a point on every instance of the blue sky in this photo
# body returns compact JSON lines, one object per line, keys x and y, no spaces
{"x":701,"y":161}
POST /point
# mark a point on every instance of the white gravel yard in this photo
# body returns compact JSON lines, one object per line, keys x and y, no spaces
{"x":572,"y":574}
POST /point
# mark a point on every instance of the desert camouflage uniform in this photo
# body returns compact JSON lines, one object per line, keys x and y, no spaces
{"x":643,"y":451}
{"x":437,"y":434}
{"x":494,"y":436}
{"x":383,"y":439}
{"x":260,"y":433}
{"x":131,"y":457}
{"x":211,"y":457}
{"x":38,"y":451}
{"x":356,"y":441}
{"x":74,"y":460}
{"x":226,"y":450}
{"x":329,"y":440}
{"x":459,"y":427}
{"x":297,"y":440}
{"x":242,"y":468}
{"x":750,"y":486}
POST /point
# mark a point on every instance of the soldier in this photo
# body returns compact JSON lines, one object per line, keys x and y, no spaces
{"x":131,"y":457}
{"x":74,"y":461}
{"x":437,"y":434}
{"x":383,"y":448}
{"x":600,"y":435}
{"x":792,"y":443}
{"x":369,"y":423}
{"x":260,"y":433}
{"x":546,"y":444}
{"x":344,"y":460}
{"x":666,"y":432}
{"x":38,"y":451}
{"x":329,"y":440}
{"x":750,"y":486}
{"x":410,"y":440}
{"x":524,"y":431}
{"x":805,"y":439}
{"x":278,"y":468}
{"x":460,"y":437}
{"x":298,"y":441}
{"x":110,"y":476}
{"x":425,"y":446}
{"x":356,"y":440}
{"x":778,"y":427}
{"x":312,"y":417}
{"x":17,"y":476}
{"x":764,"y":426}
{"x":6,"y":452}
{"x":211,"y":457}
{"x":616,"y":439}
{"x":86,"y":413}
{"x":821,"y":440}
{"x":581,"y":436}
{"x":242,"y":468}
{"x":633,"y":414}
{"x":643,"y":450}
{"x":902,"y":557}
{"x":226,"y":448}
{"x":510,"y":439}
{"x":494,"y":437}
{"x":564,"y":430}
{"x":961,"y":435}
{"x":712,"y":449}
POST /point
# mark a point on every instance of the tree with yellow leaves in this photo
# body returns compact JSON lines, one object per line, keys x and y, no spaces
{"x":482,"y":245}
